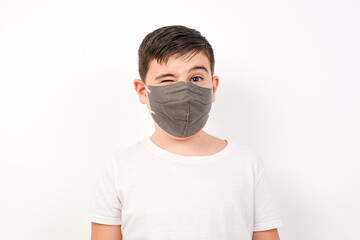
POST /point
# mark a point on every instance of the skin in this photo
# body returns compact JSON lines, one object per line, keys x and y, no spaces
{"x":271,"y":234}
{"x":200,"y":144}
{"x":105,"y":232}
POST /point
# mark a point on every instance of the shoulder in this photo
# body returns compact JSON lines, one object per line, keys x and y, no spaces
{"x":128,"y":149}
{"x":246,"y":154}
{"x":243,"y":150}
{"x":130,"y":156}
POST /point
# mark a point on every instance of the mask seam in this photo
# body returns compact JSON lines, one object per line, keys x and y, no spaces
{"x":187,"y":119}
{"x":179,"y":101}
{"x":191,"y":89}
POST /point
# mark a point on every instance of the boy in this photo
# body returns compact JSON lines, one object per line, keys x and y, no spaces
{"x":182,"y":183}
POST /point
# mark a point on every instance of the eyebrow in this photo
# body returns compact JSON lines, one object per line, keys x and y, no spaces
{"x":164,"y":75}
{"x":201,"y":67}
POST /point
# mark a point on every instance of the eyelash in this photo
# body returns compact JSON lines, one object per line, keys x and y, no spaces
{"x":198,"y":77}
{"x":191,"y":78}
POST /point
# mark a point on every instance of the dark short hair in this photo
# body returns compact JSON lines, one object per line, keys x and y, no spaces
{"x":167,"y":41}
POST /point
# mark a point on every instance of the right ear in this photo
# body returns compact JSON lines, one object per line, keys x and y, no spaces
{"x":141,"y":90}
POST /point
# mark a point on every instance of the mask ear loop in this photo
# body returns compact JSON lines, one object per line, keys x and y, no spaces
{"x":150,"y":106}
{"x":147,"y":89}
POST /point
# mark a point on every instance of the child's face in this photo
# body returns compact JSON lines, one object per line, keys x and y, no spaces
{"x":197,"y":70}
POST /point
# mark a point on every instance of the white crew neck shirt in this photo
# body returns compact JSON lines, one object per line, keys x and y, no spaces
{"x":155,"y":194}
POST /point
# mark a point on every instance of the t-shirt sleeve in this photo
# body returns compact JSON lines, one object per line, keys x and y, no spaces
{"x":105,"y":207}
{"x":266,"y":214}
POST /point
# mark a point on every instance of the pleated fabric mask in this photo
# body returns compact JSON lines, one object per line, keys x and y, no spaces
{"x":181,"y":109}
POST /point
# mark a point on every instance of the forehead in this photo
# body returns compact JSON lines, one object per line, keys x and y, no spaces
{"x":179,"y":64}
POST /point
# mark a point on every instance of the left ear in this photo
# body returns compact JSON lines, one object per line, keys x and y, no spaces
{"x":215,"y":84}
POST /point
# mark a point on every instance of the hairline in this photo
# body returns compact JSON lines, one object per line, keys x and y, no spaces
{"x":187,"y":56}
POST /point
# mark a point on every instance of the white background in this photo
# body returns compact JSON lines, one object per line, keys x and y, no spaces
{"x":289,"y":89}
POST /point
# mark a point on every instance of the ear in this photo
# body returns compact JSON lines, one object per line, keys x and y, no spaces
{"x":215,"y":84}
{"x":141,"y":90}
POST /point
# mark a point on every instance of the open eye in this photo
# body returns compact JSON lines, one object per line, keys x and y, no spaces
{"x":197,"y":78}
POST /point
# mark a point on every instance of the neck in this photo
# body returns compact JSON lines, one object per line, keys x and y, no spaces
{"x":200,"y":144}
{"x":160,"y":137}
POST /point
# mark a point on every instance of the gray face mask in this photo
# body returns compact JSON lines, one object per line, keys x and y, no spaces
{"x":181,"y":109}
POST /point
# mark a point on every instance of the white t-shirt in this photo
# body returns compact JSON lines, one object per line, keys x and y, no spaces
{"x":155,"y":194}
